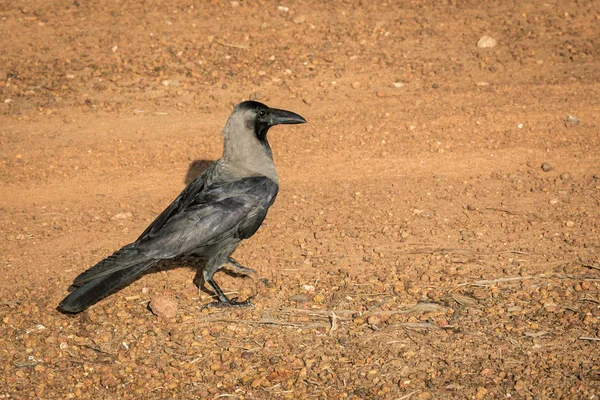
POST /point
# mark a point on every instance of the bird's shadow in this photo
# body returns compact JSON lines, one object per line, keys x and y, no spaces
{"x":193,"y":263}
{"x":195,"y":169}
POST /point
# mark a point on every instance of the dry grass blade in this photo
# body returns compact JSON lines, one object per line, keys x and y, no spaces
{"x":591,"y":300}
{"x":530,"y":214}
{"x":595,"y":339}
{"x":464,"y":300}
{"x":417,"y":308}
{"x":235,"y":46}
{"x":535,"y":334}
{"x":487,"y":282}
{"x":595,"y":266}
{"x":444,"y":250}
{"x":334,"y":325}
{"x":274,"y":322}
{"x":408,"y":396}
{"x":409,"y":325}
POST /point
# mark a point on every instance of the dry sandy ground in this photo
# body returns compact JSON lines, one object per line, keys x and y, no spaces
{"x":417,"y":248}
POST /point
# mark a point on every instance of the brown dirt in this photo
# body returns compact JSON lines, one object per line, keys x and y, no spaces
{"x":431,"y":254}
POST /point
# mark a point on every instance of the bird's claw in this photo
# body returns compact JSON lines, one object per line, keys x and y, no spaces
{"x":230,"y":303}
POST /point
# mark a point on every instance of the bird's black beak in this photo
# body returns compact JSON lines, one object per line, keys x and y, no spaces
{"x":284,"y":117}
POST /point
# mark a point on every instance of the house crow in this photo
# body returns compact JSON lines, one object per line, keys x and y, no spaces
{"x":225,"y":205}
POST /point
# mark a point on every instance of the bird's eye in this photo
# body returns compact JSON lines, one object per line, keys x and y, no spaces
{"x":262,"y":113}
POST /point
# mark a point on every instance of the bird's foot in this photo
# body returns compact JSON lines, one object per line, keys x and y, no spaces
{"x":226,"y":303}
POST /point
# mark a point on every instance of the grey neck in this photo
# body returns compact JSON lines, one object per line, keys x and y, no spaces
{"x":244,"y":155}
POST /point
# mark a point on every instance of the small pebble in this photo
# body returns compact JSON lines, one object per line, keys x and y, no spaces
{"x":565,"y":176}
{"x":571,"y":121}
{"x":256,"y":96}
{"x":163,"y":307}
{"x":481,"y":392}
{"x":546,"y":167}
{"x":300,"y":298}
{"x":486,"y":42}
{"x":404,"y":382}
{"x":300,"y":19}
{"x":124,"y":215}
{"x":570,"y":224}
{"x":319,"y":298}
{"x":172,"y":83}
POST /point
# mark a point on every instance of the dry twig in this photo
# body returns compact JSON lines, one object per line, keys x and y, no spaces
{"x":435,"y":250}
{"x":268,"y":322}
{"x":235,"y":46}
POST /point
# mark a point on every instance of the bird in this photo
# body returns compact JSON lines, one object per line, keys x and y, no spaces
{"x":226,"y":204}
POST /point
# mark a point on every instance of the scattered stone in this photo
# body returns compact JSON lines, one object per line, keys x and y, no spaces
{"x":481,"y":392}
{"x":482,"y":84}
{"x":300,"y":298}
{"x":256,"y":96}
{"x":398,"y":84}
{"x":520,"y":386}
{"x":554,"y":201}
{"x":565,"y":176}
{"x":571,"y":121}
{"x":170,"y":82}
{"x":486,"y":42}
{"x":163,"y":307}
{"x":404,"y":383}
{"x":300,"y":19}
{"x":355,"y":85}
{"x":546,"y":167}
{"x":123,"y":215}
{"x":570,"y":224}
{"x":319,"y":298}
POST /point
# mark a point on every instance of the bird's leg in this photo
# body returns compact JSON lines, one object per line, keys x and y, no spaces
{"x":237,"y":267}
{"x":224,"y":301}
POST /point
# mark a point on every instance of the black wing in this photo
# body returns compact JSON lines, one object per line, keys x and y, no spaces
{"x":218,"y":212}
{"x":180,"y":203}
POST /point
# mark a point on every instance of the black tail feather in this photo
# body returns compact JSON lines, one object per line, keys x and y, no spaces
{"x":95,"y":290}
{"x":123,"y":258}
